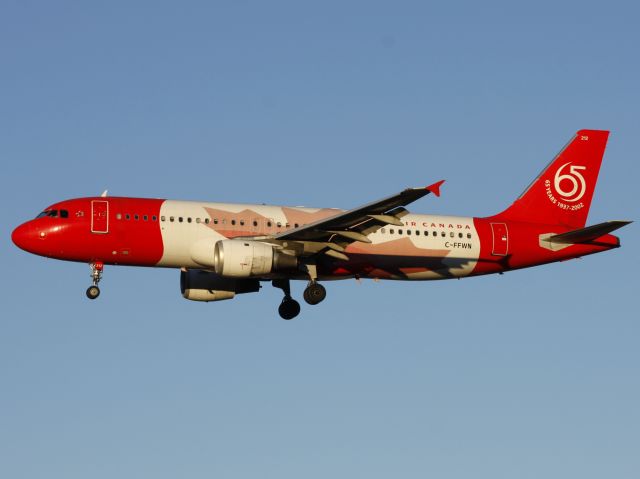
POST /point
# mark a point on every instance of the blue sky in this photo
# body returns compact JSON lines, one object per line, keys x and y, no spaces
{"x":529,"y":374}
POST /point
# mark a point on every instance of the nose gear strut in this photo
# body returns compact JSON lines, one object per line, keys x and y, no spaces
{"x":96,"y":275}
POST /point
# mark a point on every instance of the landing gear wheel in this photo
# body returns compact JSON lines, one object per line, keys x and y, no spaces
{"x":96,"y":275}
{"x":289,"y":308}
{"x":314,"y":293}
{"x":93,"y":292}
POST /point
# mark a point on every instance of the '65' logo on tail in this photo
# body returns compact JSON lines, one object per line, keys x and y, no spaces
{"x":573,"y":180}
{"x":569,"y":185}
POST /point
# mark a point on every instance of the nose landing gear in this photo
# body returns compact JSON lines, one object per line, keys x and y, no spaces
{"x":96,"y":275}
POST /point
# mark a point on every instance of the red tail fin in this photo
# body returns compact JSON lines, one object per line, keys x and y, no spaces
{"x":562,"y":193}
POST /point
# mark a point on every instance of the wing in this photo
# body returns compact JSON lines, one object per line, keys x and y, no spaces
{"x":331,"y":235}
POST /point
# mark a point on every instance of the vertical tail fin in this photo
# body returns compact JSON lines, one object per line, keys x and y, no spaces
{"x":562,"y":193}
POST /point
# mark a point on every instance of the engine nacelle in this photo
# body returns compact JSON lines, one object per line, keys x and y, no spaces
{"x":250,"y":259}
{"x":198,"y":285}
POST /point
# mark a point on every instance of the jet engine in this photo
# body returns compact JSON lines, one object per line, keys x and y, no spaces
{"x":250,"y":259}
{"x":199,"y":285}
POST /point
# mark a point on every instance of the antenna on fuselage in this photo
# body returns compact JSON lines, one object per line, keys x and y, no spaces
{"x":104,"y":194}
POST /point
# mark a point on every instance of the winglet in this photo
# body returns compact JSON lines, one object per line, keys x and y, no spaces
{"x":435,"y":188}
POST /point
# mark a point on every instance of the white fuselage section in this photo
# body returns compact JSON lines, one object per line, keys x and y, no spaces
{"x":440,"y":246}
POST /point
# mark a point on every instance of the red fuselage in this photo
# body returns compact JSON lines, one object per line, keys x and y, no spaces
{"x":139,"y":232}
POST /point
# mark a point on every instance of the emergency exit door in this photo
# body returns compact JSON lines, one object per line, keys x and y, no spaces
{"x":500,"y":239}
{"x":99,"y":216}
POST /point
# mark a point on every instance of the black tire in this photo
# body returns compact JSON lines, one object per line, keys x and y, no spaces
{"x":93,"y":292}
{"x":289,"y":309}
{"x":314,"y":293}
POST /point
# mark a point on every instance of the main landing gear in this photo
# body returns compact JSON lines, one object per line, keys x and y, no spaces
{"x":289,"y":308}
{"x":96,"y":275}
{"x":313,"y":294}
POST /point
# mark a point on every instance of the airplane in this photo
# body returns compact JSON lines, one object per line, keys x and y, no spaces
{"x":227,"y":249}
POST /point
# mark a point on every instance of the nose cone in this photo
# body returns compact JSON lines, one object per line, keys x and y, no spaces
{"x":23,"y":237}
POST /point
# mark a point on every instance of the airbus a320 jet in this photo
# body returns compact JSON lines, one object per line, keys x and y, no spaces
{"x":225,"y":249}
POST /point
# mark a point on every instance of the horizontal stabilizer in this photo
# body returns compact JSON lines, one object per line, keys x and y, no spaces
{"x":589,"y":233}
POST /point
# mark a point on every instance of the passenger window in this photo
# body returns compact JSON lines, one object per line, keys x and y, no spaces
{"x":459,"y":235}
{"x":268,"y":224}
{"x":417,"y":232}
{"x":154,"y":218}
{"x":409,"y":232}
{"x":189,"y":219}
{"x":279,"y":225}
{"x":136,"y":217}
{"x":255,"y":223}
{"x":241,"y":222}
{"x":180,"y":219}
{"x":435,"y":233}
{"x":399,"y":232}
{"x":469,"y":235}
{"x":145,"y":217}
{"x":197,"y":220}
{"x":119,"y":216}
{"x":127,"y":216}
{"x":391,"y":231}
{"x":162,"y":218}
{"x":233,"y":222}
{"x":64,"y":214}
{"x":452,"y":234}
{"x":206,"y":221}
{"x":443,"y":234}
{"x":215,"y":221}
{"x":383,"y":231}
{"x":295,"y":225}
{"x":171,"y":218}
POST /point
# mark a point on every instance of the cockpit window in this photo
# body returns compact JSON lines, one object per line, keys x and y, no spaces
{"x":54,"y":214}
{"x":51,"y":213}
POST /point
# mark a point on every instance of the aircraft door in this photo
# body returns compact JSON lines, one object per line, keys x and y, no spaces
{"x":99,"y":216}
{"x":500,"y":239}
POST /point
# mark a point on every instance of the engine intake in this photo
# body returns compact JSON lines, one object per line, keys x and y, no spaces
{"x":198,"y":285}
{"x":250,"y":259}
